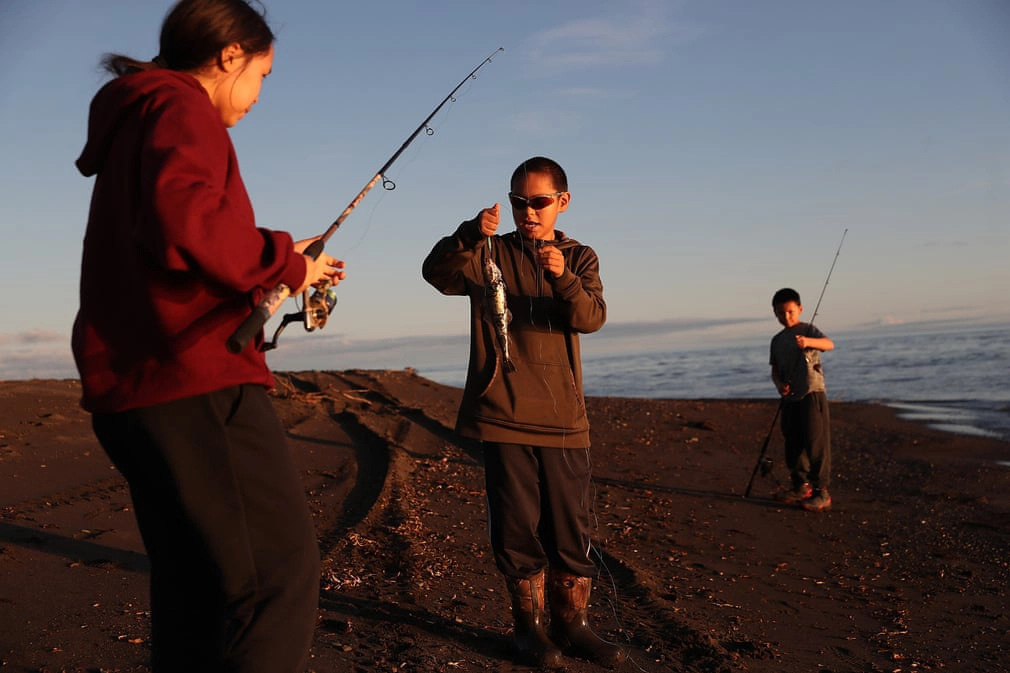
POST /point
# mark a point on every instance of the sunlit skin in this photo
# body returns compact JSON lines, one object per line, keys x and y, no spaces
{"x":788,"y":314}
{"x":531,"y":223}
{"x":233,"y":82}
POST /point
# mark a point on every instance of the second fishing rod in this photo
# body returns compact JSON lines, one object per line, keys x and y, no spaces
{"x":764,"y":464}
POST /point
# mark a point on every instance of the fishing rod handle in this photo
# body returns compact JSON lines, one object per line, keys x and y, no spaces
{"x":258,"y":318}
{"x":764,"y":447}
{"x":267,"y":307}
{"x":315,"y":247}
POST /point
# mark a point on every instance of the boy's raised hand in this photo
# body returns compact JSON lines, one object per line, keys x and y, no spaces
{"x":487,"y":220}
{"x":550,"y":258}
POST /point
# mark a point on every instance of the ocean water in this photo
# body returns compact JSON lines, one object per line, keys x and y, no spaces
{"x":958,"y":381}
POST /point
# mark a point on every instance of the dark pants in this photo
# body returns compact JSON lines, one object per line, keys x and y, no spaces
{"x":222,"y":511}
{"x":538,"y":503}
{"x":806,"y":427}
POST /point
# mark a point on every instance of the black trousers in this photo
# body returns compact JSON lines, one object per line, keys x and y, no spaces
{"x":538,"y":503}
{"x":232,"y":546}
{"x":806,"y":428}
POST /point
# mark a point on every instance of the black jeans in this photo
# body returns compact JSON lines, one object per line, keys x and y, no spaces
{"x":538,"y":503}
{"x":806,"y":428}
{"x":222,"y":511}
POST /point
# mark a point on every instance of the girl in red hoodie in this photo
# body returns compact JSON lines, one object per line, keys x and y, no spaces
{"x":173,"y":263}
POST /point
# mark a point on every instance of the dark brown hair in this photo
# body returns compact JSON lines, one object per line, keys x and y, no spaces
{"x":785,"y":295}
{"x":194,"y":33}
{"x":542,"y":165}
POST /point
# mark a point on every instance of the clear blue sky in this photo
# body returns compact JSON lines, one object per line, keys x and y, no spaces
{"x":716,"y":150}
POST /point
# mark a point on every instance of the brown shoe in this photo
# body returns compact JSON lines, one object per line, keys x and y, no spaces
{"x":819,"y":501}
{"x":794,"y":495}
{"x":530,"y":640}
{"x":570,"y":628}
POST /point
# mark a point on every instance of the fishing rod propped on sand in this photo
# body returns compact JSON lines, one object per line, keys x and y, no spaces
{"x":764,"y":465}
{"x":317,"y":308}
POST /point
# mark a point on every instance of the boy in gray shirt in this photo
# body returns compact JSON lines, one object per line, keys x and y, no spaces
{"x":806,"y":426}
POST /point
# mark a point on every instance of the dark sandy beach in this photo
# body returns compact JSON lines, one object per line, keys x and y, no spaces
{"x":908,"y":571}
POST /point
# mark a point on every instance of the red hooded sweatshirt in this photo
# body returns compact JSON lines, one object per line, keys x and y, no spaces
{"x":173,"y":261}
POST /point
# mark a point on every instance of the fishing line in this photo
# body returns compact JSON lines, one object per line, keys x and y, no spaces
{"x":614,"y":599}
{"x":408,"y":160}
{"x":538,"y":273}
{"x":324,"y":298}
{"x":366,"y":230}
{"x":389,"y":184}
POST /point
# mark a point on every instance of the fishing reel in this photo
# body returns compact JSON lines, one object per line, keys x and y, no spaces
{"x":319,"y":306}
{"x":316,"y":310}
{"x":766,"y":465}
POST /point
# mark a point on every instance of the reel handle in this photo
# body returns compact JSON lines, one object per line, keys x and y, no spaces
{"x":267,"y":307}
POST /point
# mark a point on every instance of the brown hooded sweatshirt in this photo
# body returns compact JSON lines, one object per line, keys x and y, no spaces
{"x":541,"y":402}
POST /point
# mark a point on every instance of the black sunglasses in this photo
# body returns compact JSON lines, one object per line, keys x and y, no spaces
{"x":538,"y":202}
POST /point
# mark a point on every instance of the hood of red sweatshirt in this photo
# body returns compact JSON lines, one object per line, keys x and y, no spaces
{"x":116,"y":100}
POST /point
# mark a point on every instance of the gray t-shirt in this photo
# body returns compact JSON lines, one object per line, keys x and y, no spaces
{"x":801,"y":369}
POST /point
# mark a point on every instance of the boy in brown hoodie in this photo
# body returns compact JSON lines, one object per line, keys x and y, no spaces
{"x":523,"y":400}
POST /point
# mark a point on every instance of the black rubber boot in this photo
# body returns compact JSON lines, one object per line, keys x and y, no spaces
{"x":570,"y":628}
{"x":531,"y":641}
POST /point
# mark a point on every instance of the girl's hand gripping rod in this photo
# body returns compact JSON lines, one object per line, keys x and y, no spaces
{"x":317,"y":308}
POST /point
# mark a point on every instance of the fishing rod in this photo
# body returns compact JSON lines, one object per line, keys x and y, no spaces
{"x":765,"y":464}
{"x":318,"y":307}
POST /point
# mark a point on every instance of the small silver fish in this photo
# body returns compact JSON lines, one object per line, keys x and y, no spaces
{"x":497,"y":312}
